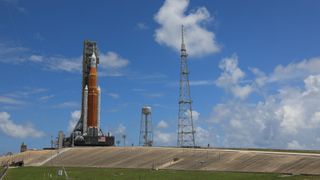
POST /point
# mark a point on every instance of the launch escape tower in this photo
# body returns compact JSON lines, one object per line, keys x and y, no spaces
{"x":146,"y":135}
{"x":185,"y":122}
{"x":87,"y":132}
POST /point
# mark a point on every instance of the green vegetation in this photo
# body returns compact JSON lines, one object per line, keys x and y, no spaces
{"x":34,"y":173}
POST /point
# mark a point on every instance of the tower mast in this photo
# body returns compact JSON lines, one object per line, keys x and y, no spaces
{"x":185,"y":122}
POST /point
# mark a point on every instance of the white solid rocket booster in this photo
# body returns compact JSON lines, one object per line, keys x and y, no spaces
{"x":98,"y":110}
{"x":85,"y":108}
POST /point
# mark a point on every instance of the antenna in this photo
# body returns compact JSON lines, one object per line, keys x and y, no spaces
{"x":185,"y":122}
{"x":183,"y":46}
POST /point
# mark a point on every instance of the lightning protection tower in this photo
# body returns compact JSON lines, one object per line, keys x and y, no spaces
{"x":185,"y":122}
{"x":146,"y":135}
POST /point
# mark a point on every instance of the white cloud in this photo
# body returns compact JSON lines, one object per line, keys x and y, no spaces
{"x":25,"y":92}
{"x":112,"y":60}
{"x":279,"y":120}
{"x":231,"y":77}
{"x":64,"y":64}
{"x":75,"y":116}
{"x":162,"y":124}
{"x":9,"y":100}
{"x":113,"y":95}
{"x":241,"y":92}
{"x":298,"y":70}
{"x":195,"y":114}
{"x":36,"y":58}
{"x":295,"y":145}
{"x":286,"y":117}
{"x":292,"y":72}
{"x":111,"y":63}
{"x":203,"y":137}
{"x":20,"y":98}
{"x":12,"y":129}
{"x":231,"y":74}
{"x":199,"y":41}
{"x":46,"y":98}
{"x":164,"y":138}
{"x":14,"y":54}
{"x":142,"y":26}
{"x":68,"y":104}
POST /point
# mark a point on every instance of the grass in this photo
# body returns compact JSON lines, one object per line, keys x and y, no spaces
{"x":34,"y":173}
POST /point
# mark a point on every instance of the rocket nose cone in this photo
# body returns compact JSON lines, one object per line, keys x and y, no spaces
{"x":93,"y":55}
{"x":98,"y":88}
{"x":93,"y":60}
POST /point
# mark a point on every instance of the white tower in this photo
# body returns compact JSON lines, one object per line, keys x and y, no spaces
{"x":146,"y":134}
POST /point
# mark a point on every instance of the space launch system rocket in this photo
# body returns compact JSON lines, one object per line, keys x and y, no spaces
{"x":92,"y":97}
{"x":87,"y":132}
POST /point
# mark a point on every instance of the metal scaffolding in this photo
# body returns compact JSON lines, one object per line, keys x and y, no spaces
{"x":185,"y":122}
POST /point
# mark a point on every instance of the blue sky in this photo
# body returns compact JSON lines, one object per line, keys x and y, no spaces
{"x":254,"y":69}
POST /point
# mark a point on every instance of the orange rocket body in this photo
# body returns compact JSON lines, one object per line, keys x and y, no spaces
{"x":92,"y":96}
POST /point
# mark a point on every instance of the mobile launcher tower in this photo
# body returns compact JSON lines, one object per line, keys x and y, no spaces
{"x":87,"y":132}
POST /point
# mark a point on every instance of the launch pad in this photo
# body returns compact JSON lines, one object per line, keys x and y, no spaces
{"x":87,"y":132}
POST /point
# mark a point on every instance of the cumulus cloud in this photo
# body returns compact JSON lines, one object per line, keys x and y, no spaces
{"x":298,"y":70}
{"x":231,"y":76}
{"x":112,"y":60}
{"x":15,"y":130}
{"x":195,"y":114}
{"x":292,"y":72}
{"x":164,"y":135}
{"x":75,"y":116}
{"x":286,"y":118}
{"x":162,"y":124}
{"x":164,"y":138}
{"x":204,"y":136}
{"x":199,"y":41}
